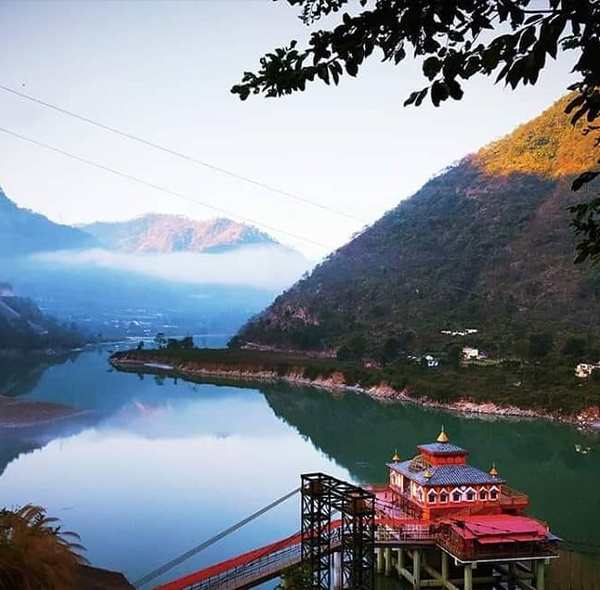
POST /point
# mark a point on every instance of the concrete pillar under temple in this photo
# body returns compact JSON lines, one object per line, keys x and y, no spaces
{"x":445,"y":575}
{"x":468,"y":576}
{"x":388,"y":561}
{"x":540,"y":576}
{"x":380,"y":565}
{"x":416,"y":569}
{"x":400,"y":562}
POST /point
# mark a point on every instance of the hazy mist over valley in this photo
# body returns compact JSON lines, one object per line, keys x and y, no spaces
{"x":154,"y":273}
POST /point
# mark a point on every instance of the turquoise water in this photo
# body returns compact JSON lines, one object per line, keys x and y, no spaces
{"x":162,"y":464}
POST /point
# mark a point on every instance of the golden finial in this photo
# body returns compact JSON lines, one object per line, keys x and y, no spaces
{"x":428,"y":474}
{"x":396,"y":457}
{"x":493,"y":471}
{"x":443,"y":437}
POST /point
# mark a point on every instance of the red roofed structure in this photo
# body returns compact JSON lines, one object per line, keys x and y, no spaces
{"x":438,"y":523}
{"x":474,"y":518}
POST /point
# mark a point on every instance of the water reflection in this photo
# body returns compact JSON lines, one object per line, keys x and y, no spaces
{"x":537,"y":457}
{"x":167,"y":463}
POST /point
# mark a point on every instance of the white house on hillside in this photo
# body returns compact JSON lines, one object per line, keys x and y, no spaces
{"x":431,"y":361}
{"x":469,"y":353}
{"x":583,"y":370}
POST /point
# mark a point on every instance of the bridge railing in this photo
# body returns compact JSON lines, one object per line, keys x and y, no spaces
{"x":264,"y":567}
{"x":278,"y":557}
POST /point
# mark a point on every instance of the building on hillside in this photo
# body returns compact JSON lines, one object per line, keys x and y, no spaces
{"x":584,"y":370}
{"x":470,"y":354}
{"x":465,"y":332}
{"x":430,"y":361}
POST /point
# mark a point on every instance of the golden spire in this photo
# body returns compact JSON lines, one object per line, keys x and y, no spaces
{"x":493,"y":470}
{"x":443,"y":437}
{"x":396,"y":457}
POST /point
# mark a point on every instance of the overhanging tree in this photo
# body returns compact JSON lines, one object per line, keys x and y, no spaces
{"x":456,"y":39}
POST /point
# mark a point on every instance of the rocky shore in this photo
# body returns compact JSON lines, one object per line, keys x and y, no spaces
{"x":586,"y":419}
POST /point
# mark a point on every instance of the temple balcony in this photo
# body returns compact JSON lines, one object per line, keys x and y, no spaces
{"x":472,"y":550}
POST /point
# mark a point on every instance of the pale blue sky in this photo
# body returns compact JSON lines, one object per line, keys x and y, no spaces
{"x":162,"y":70}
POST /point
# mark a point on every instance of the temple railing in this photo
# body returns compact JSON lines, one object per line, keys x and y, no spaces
{"x":472,"y":550}
{"x":406,"y":503}
{"x":513,"y":499}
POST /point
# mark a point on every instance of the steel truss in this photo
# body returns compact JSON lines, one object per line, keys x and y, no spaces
{"x":322,"y":496}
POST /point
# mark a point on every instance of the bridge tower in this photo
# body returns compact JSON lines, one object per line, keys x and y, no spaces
{"x":322,"y":497}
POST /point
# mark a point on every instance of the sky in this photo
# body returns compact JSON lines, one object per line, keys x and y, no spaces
{"x":163,"y":71}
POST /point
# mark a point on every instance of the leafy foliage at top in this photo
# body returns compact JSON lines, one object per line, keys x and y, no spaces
{"x":456,"y":40}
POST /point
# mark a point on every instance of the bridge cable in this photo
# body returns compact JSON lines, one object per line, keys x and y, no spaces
{"x":184,"y":556}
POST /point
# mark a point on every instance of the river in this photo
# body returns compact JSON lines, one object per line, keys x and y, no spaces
{"x":161,"y":464}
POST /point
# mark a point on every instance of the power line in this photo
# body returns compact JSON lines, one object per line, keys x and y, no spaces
{"x":245,"y":219}
{"x":184,"y":556}
{"x":163,"y":189}
{"x":183,"y":156}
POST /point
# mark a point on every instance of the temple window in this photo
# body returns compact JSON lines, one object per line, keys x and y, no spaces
{"x":470,"y":495}
{"x":456,"y":495}
{"x":494,"y":494}
{"x":431,"y":496}
{"x":483,"y":495}
{"x":443,"y":497}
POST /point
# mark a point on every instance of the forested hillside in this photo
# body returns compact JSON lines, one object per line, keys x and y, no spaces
{"x":175,"y":233}
{"x":23,"y":231}
{"x":23,"y":326}
{"x":484,"y":245}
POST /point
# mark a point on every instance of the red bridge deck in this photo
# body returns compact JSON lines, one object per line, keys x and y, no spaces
{"x":265,"y":563}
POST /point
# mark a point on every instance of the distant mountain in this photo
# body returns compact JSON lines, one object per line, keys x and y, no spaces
{"x":484,"y":245}
{"x":174,"y":233}
{"x":24,"y":327}
{"x":23,"y":231}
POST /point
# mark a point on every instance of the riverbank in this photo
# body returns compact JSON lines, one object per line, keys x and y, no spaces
{"x":407,"y":384}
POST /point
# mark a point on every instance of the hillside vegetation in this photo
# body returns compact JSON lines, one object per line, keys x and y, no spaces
{"x":484,"y":245}
{"x":24,"y":328}
{"x":508,"y":385}
{"x":23,"y":231}
{"x":175,"y":233}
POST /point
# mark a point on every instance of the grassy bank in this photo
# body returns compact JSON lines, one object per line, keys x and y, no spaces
{"x":545,"y":389}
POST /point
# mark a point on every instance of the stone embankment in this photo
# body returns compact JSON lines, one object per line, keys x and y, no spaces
{"x":588,"y":418}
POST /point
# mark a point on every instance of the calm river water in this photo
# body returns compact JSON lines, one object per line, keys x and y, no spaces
{"x":163,"y":464}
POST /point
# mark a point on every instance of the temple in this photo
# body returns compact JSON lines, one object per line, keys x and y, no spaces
{"x":467,"y":526}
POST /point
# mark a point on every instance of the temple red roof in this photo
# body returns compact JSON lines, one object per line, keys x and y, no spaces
{"x":499,"y":528}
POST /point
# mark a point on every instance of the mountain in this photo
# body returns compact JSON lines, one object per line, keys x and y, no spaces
{"x":23,"y":326}
{"x":485,"y":245}
{"x":174,"y":233}
{"x":24,"y":232}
